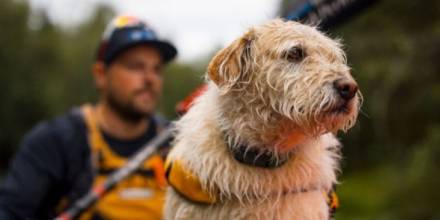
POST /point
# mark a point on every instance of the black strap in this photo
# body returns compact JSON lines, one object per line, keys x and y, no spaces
{"x":257,"y":157}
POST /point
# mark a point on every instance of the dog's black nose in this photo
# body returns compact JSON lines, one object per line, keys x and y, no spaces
{"x":346,"y":88}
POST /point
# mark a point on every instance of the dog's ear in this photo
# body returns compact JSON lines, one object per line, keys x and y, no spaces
{"x":233,"y":62}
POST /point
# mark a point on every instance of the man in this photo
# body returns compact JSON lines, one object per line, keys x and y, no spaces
{"x":60,"y":160}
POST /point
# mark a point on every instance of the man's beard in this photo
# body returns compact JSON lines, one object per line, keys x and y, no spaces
{"x":126,"y":110}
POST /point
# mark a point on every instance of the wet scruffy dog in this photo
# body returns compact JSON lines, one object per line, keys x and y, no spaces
{"x":259,"y":143}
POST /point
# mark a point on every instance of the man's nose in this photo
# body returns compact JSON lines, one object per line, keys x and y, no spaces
{"x":150,"y":74}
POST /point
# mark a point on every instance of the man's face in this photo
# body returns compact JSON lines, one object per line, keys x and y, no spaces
{"x":134,"y":82}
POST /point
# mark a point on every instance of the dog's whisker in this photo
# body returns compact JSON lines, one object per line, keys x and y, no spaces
{"x":363,"y":113}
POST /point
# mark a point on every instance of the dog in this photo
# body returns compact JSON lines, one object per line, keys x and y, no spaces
{"x":259,"y":143}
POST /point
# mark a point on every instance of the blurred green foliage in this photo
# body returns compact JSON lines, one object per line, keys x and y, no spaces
{"x":45,"y":70}
{"x":391,"y":156}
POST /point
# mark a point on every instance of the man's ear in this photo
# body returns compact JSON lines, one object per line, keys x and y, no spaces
{"x":99,"y":75}
{"x":232,"y":63}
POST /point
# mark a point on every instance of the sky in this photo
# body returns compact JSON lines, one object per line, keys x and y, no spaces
{"x":196,"y":27}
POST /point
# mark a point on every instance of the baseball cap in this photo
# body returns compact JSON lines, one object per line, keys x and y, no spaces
{"x":127,"y":31}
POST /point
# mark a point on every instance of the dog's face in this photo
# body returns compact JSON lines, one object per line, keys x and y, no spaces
{"x":290,"y":70}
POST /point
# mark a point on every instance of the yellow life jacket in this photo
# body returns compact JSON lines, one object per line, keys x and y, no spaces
{"x":189,"y":187}
{"x":140,"y":196}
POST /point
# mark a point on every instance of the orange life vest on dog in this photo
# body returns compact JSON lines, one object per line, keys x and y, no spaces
{"x":188,"y":186}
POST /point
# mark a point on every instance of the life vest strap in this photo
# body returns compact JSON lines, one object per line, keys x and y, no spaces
{"x":188,"y":186}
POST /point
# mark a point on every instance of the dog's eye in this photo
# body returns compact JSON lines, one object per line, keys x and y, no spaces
{"x":295,"y":54}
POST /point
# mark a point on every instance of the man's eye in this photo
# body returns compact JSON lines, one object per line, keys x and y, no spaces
{"x":158,"y":69}
{"x":295,"y":54}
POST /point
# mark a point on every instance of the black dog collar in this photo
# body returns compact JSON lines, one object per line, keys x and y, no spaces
{"x":257,"y":157}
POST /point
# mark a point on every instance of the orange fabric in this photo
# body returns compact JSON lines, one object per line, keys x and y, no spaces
{"x":136,"y":197}
{"x":186,"y":184}
{"x":189,"y":186}
{"x":184,"y":105}
{"x":334,"y":200}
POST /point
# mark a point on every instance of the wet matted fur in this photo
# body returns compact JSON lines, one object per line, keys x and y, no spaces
{"x":278,"y":89}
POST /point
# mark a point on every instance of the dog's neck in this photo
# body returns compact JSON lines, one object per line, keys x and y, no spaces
{"x":264,"y":156}
{"x":257,"y":156}
{"x":258,"y":131}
